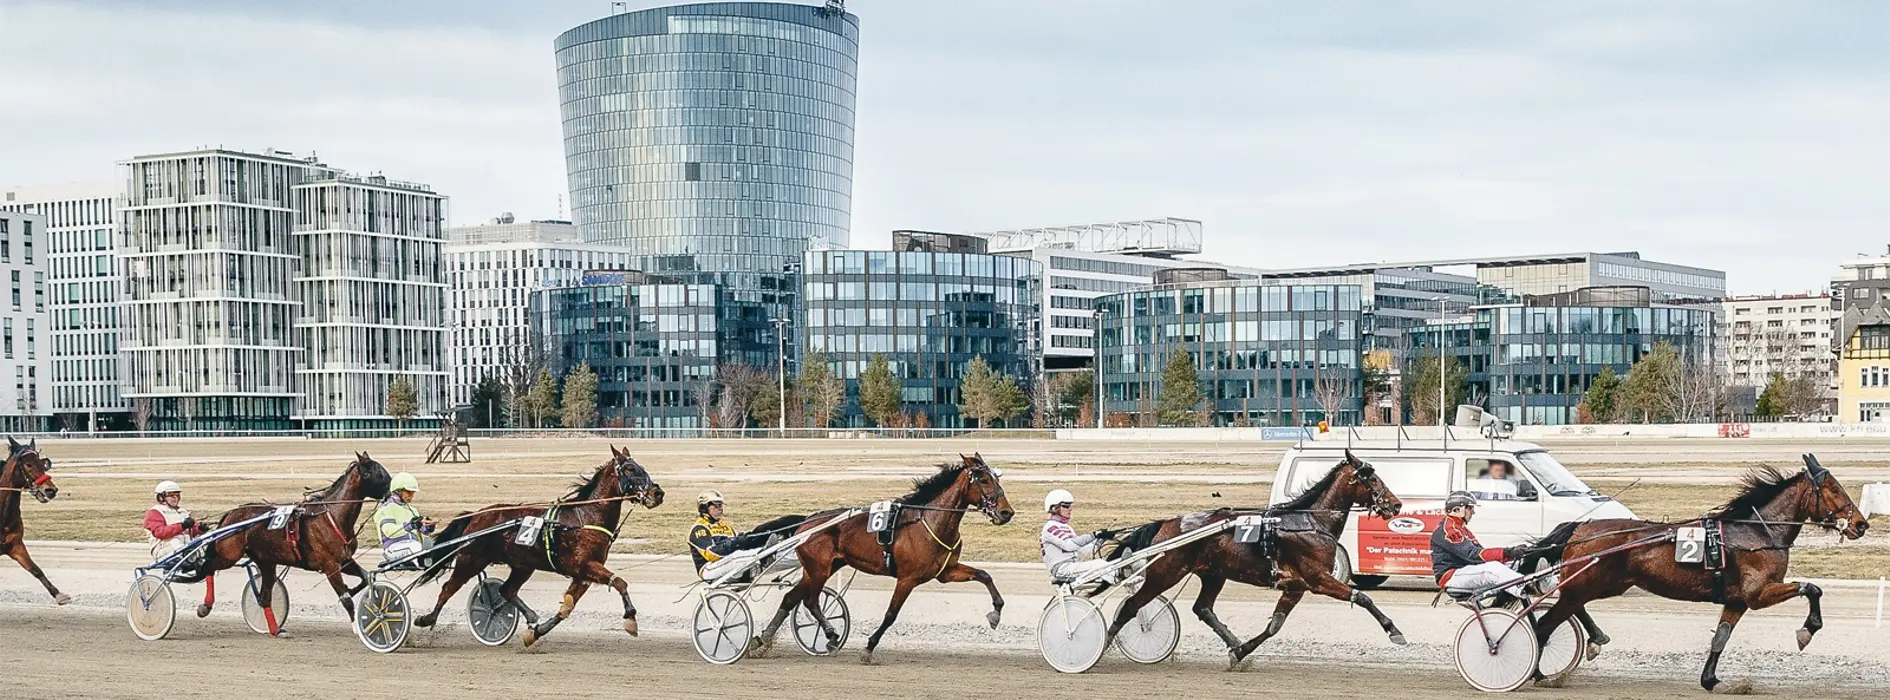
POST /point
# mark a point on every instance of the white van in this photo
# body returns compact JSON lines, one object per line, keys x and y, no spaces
{"x":1522,"y":492}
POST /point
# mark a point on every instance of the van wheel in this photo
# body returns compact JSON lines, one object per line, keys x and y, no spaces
{"x":1366,"y":583}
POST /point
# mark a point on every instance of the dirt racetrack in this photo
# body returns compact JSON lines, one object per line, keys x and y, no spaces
{"x":90,"y":655}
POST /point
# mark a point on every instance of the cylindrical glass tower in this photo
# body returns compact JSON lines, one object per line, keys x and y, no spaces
{"x":715,"y":140}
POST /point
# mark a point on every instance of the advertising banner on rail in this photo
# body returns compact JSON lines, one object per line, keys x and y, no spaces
{"x":1401,"y":544}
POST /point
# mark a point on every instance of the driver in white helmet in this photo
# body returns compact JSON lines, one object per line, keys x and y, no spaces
{"x":1062,"y":548}
{"x":167,"y":525}
{"x":403,"y":531}
{"x":713,"y":543}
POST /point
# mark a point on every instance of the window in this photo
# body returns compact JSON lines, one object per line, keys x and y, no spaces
{"x":9,"y":338}
{"x":16,"y":290}
{"x":32,"y":345}
{"x":39,"y":291}
{"x":26,"y":234}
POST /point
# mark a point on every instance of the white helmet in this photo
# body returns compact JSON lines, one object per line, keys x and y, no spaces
{"x":1052,"y":499}
{"x":164,"y":487}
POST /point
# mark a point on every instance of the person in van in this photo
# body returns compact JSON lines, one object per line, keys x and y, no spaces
{"x":1498,"y":481}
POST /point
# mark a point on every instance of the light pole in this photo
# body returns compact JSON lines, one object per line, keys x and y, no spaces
{"x":1441,"y":369}
{"x":780,"y":353}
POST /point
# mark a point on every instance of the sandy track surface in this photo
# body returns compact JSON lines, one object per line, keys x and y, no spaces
{"x":937,"y":649}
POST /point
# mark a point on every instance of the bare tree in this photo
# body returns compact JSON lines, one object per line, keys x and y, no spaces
{"x":522,"y":358}
{"x":141,"y":413}
{"x":1332,"y":386}
{"x":742,"y":387}
{"x":704,"y":393}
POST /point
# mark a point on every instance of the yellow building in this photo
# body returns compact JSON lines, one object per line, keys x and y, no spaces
{"x":1864,"y":365}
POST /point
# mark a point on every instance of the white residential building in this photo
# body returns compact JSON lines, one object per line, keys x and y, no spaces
{"x":1789,"y":334}
{"x":492,"y":270}
{"x":1084,"y":262}
{"x":373,"y":299}
{"x":23,"y":407}
{"x":82,"y":292}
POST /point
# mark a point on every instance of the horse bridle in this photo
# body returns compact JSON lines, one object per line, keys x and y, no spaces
{"x":625,"y":484}
{"x":1831,"y":515}
{"x":1378,"y":500}
{"x":987,"y":502}
{"x":17,"y":469}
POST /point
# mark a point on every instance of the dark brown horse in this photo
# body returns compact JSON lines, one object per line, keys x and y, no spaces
{"x":1759,"y":525}
{"x":576,"y":539}
{"x":1301,"y":561}
{"x":318,"y":536}
{"x":926,"y":546}
{"x":25,"y":471}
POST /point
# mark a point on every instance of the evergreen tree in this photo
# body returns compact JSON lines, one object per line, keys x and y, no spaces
{"x":1420,"y":389}
{"x":977,"y":392}
{"x":402,"y":404}
{"x":541,"y":402}
{"x":1649,"y":392}
{"x":880,"y":392}
{"x":1603,"y":400}
{"x":1181,"y":395}
{"x":580,"y":398}
{"x":488,"y":403}
{"x":1008,"y":400}
{"x":823,"y":392}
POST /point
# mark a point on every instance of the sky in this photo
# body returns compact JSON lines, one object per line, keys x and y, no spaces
{"x":1751,"y":137}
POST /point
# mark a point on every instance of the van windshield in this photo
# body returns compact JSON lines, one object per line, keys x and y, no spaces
{"x":1555,"y":478}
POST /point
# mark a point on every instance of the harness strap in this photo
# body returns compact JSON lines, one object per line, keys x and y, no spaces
{"x":950,"y":549}
{"x":602,"y":529}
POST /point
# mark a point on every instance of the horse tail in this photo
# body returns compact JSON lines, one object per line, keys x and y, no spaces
{"x":1137,"y":539}
{"x":1551,"y":546}
{"x":452,"y":531}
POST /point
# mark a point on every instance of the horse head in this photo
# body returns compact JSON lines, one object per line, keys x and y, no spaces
{"x":984,"y":490}
{"x":371,"y":479}
{"x":1367,"y":490}
{"x":32,"y":471}
{"x":633,"y":481}
{"x":1831,"y":506}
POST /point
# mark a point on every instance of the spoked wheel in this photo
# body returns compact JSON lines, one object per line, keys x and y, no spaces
{"x":380,"y":617}
{"x":1152,"y":635}
{"x":722,"y":628}
{"x":1562,"y":653}
{"x":807,"y":630}
{"x":1070,"y":634}
{"x":252,"y":608}
{"x":150,"y":607}
{"x":1506,"y":666}
{"x":494,"y":619}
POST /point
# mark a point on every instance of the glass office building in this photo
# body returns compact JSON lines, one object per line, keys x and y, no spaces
{"x":1531,"y":362}
{"x":1266,"y":354}
{"x":928,"y":313}
{"x":652,"y":343}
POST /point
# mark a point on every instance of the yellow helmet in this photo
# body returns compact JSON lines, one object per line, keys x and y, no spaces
{"x":404,"y":482}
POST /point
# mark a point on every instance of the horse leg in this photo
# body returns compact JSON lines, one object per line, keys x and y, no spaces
{"x":353,"y":568}
{"x":265,"y":583}
{"x":463,"y":570}
{"x":572,"y":593}
{"x":959,"y":573}
{"x":1204,"y":609}
{"x":209,"y":596}
{"x":595,"y":572}
{"x":1288,"y":600}
{"x":1775,"y":593}
{"x":1709,"y":676}
{"x":1596,"y":637}
{"x":1555,"y":616}
{"x":814,"y":575}
{"x":18,"y":554}
{"x":343,"y":593}
{"x":900,"y":592}
{"x":1324,"y":584}
{"x":513,"y":582}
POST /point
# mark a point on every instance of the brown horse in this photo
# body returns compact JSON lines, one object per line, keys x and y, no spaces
{"x":576,"y":539}
{"x":1307,"y":541}
{"x":926,"y":521}
{"x":1759,"y":527}
{"x":318,"y":536}
{"x":26,"y":470}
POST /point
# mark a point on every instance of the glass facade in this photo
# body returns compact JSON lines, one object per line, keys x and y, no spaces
{"x":1533,"y":364}
{"x":929,"y":314}
{"x":654,"y":347}
{"x":711,"y":138}
{"x":1266,"y":354}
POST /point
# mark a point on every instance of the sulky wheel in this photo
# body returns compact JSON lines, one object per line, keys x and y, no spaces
{"x":1152,"y":635}
{"x":150,"y":607}
{"x":1500,"y":667}
{"x":722,"y":627}
{"x":252,"y":608}
{"x":1070,"y":634}
{"x":494,"y":619}
{"x":807,"y":632}
{"x":380,"y":617}
{"x":1564,"y":649}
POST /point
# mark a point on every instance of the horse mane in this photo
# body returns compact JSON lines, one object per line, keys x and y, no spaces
{"x":1307,"y":496}
{"x":321,"y":493}
{"x":583,"y":490}
{"x":927,"y":488}
{"x":1759,"y":486}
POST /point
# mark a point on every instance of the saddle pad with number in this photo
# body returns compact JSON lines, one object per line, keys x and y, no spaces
{"x":280,"y":518}
{"x":1249,"y":529}
{"x":529,"y":527}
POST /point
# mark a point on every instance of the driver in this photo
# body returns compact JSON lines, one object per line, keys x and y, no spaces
{"x":167,"y":525}
{"x":403,"y":532}
{"x":1062,"y":548}
{"x":713,"y":543}
{"x":1459,"y":562}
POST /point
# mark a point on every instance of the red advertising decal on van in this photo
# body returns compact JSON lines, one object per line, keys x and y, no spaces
{"x":1399,"y":545}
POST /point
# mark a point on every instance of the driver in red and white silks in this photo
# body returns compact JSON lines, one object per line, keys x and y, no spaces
{"x":1458,"y":561}
{"x":1062,"y":548}
{"x":167,"y":525}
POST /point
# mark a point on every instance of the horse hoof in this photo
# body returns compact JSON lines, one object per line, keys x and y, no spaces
{"x":630,"y":625}
{"x":424,"y":621}
{"x":203,"y":610}
{"x":281,"y":634}
{"x":757,"y":648}
{"x":1741,"y":687}
{"x":63,"y":599}
{"x":1397,"y":638}
{"x":866,"y":658}
{"x":1560,"y":681}
{"x":993,"y":617}
{"x":531,"y":637}
{"x":1804,"y":638}
{"x":1594,"y":650}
